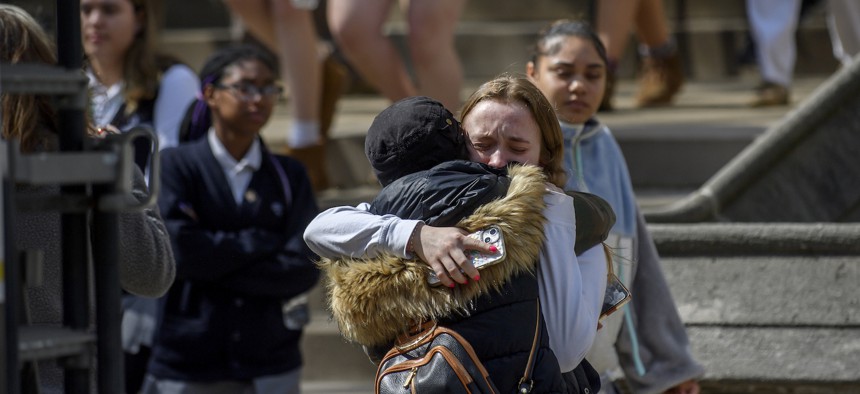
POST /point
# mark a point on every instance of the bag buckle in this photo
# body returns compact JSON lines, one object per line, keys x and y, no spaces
{"x":402,"y":348}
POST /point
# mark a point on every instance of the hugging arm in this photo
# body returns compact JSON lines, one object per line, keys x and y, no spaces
{"x":357,"y":233}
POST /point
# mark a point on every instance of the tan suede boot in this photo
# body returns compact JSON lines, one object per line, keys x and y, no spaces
{"x":661,"y":78}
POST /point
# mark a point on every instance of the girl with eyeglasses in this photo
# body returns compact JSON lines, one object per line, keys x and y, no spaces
{"x":235,"y":213}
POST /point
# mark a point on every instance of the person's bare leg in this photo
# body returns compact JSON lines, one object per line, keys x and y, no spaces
{"x":357,"y":29}
{"x":257,"y":20}
{"x":432,"y":24}
{"x":651,"y":27}
{"x":290,"y":33}
{"x":302,"y":70}
{"x":615,"y":20}
{"x":614,"y":25}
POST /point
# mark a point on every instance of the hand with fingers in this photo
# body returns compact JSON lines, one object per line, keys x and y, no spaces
{"x":444,"y":250}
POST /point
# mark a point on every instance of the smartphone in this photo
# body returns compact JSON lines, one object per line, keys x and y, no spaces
{"x":491,"y":235}
{"x":616,"y":296}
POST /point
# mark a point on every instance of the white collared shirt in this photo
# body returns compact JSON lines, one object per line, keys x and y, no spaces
{"x":239,"y":173}
{"x":177,"y":90}
{"x":105,"y":100}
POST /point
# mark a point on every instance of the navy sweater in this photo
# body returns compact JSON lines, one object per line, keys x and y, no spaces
{"x":236,"y":265}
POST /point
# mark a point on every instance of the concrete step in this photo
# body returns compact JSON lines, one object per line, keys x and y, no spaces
{"x":336,"y":386}
{"x":328,"y":357}
{"x":769,"y":307}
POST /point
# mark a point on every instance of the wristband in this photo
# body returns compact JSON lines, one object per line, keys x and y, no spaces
{"x":410,"y":245}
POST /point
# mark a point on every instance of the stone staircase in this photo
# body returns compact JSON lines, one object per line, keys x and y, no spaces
{"x":749,"y":330}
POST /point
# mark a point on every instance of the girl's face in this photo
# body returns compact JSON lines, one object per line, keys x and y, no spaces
{"x":108,"y":27}
{"x":573,"y":79}
{"x":500,"y":133}
{"x":243,"y":99}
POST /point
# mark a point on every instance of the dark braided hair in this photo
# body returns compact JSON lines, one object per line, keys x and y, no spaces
{"x":198,"y":118}
{"x":563,"y":28}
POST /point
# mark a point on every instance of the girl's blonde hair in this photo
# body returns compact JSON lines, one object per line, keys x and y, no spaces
{"x":513,"y":88}
{"x":142,"y":63}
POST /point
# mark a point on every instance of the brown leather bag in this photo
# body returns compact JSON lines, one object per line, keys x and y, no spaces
{"x":435,"y":359}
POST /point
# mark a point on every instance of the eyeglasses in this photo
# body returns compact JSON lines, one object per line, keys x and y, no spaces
{"x":247,"y":91}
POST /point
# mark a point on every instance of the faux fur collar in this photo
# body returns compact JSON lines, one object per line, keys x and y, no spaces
{"x":375,"y":300}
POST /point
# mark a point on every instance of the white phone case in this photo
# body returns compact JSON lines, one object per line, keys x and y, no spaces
{"x":491,"y":235}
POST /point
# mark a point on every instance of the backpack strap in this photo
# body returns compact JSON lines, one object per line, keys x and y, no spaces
{"x":526,"y":383}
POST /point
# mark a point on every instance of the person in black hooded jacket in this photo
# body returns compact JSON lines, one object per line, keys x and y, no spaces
{"x":408,"y":138}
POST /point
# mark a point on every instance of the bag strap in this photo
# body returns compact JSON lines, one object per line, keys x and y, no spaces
{"x":526,"y":383}
{"x":416,"y":336}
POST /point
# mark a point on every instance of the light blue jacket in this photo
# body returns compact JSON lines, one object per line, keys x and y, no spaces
{"x":651,"y":348}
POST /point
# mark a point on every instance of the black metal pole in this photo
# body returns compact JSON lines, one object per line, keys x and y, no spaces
{"x":12,"y":281}
{"x":74,"y":225}
{"x":108,"y":292}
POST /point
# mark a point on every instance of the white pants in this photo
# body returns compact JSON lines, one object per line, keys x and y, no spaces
{"x":843,"y":22}
{"x":773,"y":24}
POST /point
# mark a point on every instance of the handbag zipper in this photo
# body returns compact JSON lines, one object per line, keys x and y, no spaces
{"x":409,"y":378}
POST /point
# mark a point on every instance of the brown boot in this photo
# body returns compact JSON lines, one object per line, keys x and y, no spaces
{"x":661,"y":78}
{"x":314,"y":157}
{"x":770,"y":94}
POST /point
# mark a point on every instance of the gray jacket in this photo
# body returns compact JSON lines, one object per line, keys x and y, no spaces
{"x":146,"y":261}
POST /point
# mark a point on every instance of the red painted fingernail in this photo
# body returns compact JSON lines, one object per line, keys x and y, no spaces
{"x":477,"y":277}
{"x":452,"y":285}
{"x":493,"y":249}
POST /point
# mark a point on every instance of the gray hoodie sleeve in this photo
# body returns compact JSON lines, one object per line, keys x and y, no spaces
{"x":146,"y":260}
{"x":663,"y":346}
